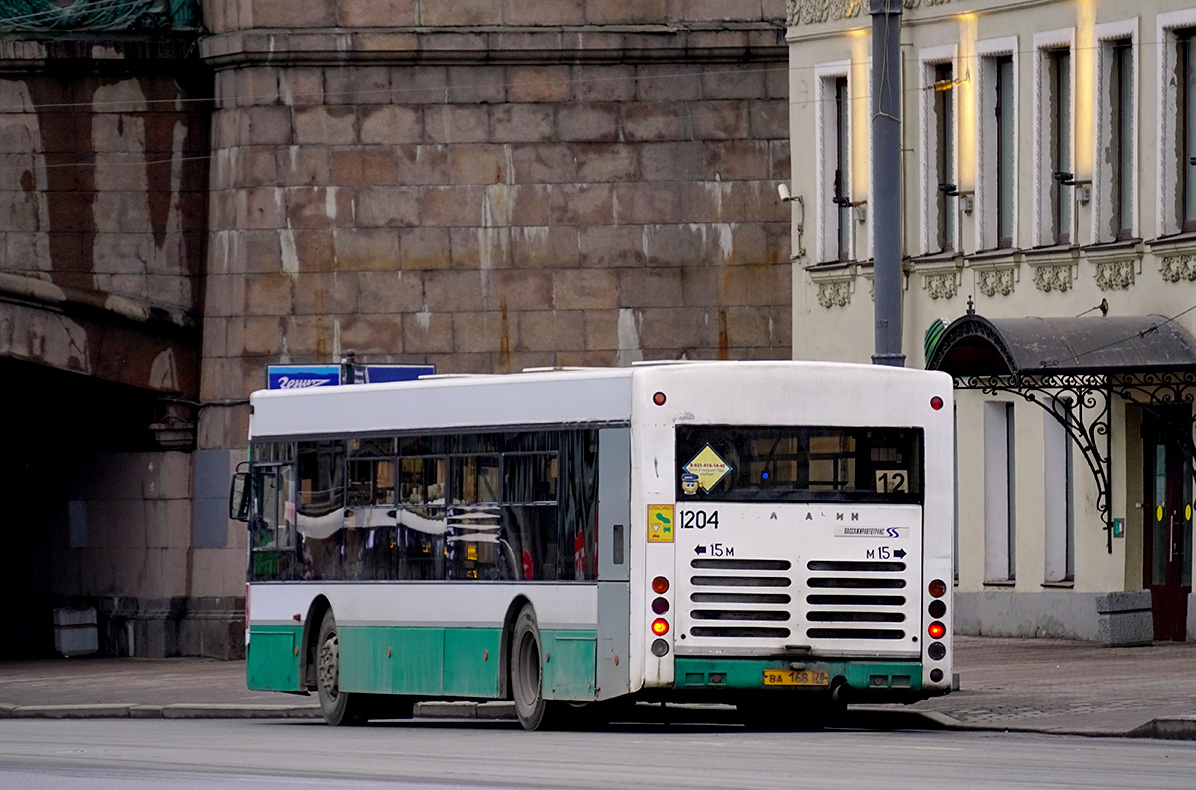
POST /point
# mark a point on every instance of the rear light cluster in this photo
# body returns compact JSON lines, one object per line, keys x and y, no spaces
{"x":937,"y":630}
{"x":660,"y":626}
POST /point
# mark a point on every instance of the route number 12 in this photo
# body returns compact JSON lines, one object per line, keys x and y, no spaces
{"x":892,"y":481}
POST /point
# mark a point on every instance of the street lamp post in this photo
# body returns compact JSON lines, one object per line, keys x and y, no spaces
{"x":886,"y":179}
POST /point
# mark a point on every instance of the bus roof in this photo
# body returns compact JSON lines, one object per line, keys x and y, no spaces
{"x":569,"y":396}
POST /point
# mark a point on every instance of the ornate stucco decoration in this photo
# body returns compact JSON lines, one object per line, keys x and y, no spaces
{"x":1178,"y":267}
{"x":1053,"y":278}
{"x":1054,"y":270}
{"x":834,"y":294}
{"x":35,"y":15}
{"x":941,"y":285}
{"x":1115,"y":268}
{"x":996,"y":281}
{"x":1115,"y":275}
{"x":812,"y":12}
{"x":834,"y":283}
{"x":996,"y":275}
{"x":941,"y":278}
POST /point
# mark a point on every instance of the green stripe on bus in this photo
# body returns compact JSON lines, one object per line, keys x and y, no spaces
{"x":691,"y":673}
{"x":458,"y":662}
{"x":271,"y":661}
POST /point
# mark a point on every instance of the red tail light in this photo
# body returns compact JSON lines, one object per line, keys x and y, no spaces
{"x":936,"y":630}
{"x":660,"y":626}
{"x":660,"y":585}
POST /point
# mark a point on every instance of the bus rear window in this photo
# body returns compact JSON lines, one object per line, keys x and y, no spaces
{"x":799,"y":463}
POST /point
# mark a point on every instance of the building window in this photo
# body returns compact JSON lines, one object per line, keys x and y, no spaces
{"x":833,"y":112}
{"x":939,"y":174}
{"x":999,"y":523}
{"x":1003,"y":111}
{"x":1186,"y":118}
{"x":997,"y":149}
{"x":1115,"y":159}
{"x":1176,"y":120}
{"x":1121,"y":138}
{"x":1056,"y":174}
{"x":842,"y":165}
{"x":1058,"y":483}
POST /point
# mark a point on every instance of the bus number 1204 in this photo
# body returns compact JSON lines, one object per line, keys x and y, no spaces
{"x":699,"y":519}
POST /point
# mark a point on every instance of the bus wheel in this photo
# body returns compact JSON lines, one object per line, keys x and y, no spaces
{"x":527,"y":680}
{"x":339,"y":707}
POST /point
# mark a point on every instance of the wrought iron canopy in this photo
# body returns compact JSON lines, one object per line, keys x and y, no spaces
{"x":1072,"y":368}
{"x":1103,"y":345}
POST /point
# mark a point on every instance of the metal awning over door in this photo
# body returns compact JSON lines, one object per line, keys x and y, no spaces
{"x":1072,"y":368}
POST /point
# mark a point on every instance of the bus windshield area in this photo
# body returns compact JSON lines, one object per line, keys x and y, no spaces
{"x":799,"y":464}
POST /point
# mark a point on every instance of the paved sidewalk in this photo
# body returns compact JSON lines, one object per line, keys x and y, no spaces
{"x":1038,"y":685}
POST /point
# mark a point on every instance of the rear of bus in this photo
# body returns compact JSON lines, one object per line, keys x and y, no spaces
{"x":798,"y":524}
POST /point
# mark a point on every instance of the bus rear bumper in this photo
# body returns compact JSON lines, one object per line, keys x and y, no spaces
{"x":855,"y":680}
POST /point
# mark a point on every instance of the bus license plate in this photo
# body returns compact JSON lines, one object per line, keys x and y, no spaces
{"x":795,"y":677}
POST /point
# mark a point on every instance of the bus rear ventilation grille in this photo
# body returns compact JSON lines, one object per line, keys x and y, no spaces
{"x":850,"y":566}
{"x":823,"y":616}
{"x":741,"y":565}
{"x":740,"y":632}
{"x":741,"y":614}
{"x":740,"y":581}
{"x":854,"y":583}
{"x":854,"y":633}
{"x":855,"y":600}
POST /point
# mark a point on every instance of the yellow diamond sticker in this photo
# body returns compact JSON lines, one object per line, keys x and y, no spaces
{"x":660,"y":523}
{"x":709,"y":467}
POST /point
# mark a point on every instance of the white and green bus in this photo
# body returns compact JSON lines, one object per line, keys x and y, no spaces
{"x":775,"y":535}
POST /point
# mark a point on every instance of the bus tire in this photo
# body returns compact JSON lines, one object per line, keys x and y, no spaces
{"x":527,"y":677}
{"x":339,"y":707}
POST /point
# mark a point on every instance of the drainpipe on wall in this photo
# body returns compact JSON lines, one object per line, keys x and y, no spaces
{"x":886,"y":179}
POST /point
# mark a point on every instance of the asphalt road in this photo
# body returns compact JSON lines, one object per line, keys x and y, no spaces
{"x":132,"y":753}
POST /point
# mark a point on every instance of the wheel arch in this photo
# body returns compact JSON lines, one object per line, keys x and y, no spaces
{"x":319,"y":607}
{"x":508,"y":627}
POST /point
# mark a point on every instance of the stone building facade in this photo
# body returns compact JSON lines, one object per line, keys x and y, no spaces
{"x":1046,"y":175}
{"x":484,"y":186}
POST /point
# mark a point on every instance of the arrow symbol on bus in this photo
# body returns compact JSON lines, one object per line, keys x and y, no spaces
{"x":899,"y":553}
{"x":699,"y":549}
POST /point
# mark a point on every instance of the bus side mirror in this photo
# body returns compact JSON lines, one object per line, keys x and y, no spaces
{"x":238,"y":497}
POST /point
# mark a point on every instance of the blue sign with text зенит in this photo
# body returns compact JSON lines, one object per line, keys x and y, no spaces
{"x":286,"y":377}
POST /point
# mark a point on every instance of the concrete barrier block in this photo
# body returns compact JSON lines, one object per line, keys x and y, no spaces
{"x":1124,"y":619}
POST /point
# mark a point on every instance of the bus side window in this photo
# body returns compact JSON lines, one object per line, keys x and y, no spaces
{"x":320,"y":509}
{"x":421,"y":517}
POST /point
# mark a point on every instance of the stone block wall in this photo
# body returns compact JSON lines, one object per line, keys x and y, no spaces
{"x":103,"y":185}
{"x":488,"y":189}
{"x":103,"y":188}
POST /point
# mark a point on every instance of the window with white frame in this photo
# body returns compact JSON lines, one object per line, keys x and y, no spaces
{"x":1115,"y":171}
{"x":833,"y":121}
{"x":1177,"y":123}
{"x":996,"y":183}
{"x":1186,"y":118}
{"x":999,"y":533}
{"x":1054,"y":169}
{"x":940,"y":188}
{"x":1058,"y":487}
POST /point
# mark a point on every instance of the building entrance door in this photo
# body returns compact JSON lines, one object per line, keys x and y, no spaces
{"x":1167,"y":550}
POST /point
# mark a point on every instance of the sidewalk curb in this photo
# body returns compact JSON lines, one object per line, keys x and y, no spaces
{"x":1173,"y":728}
